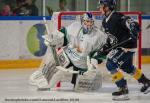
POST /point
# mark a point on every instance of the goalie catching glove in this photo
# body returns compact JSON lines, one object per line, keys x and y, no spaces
{"x":55,"y":39}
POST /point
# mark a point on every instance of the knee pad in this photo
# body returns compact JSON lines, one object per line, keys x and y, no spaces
{"x":137,"y":74}
{"x":117,"y":76}
{"x":111,"y":66}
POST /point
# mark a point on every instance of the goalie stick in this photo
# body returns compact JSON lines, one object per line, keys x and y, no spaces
{"x":52,"y":47}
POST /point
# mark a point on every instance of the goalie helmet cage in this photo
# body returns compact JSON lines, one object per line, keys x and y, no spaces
{"x":137,"y":15}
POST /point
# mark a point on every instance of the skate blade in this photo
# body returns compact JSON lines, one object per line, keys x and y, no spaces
{"x":121,"y":98}
{"x":147,"y":91}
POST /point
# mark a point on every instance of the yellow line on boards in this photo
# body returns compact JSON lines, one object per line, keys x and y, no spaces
{"x":35,"y":63}
{"x":10,"y":64}
{"x":145,"y":59}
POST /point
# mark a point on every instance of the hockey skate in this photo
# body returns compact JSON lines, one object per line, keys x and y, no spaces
{"x":121,"y":94}
{"x":146,"y":87}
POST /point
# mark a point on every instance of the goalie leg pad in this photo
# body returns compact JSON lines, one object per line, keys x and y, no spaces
{"x":89,"y":82}
{"x":56,"y":78}
{"x":52,"y":74}
{"x":47,"y":72}
{"x":42,"y":82}
{"x":34,"y":76}
{"x":50,"y":79}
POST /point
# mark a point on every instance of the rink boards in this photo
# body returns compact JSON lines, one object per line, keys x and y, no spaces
{"x":17,"y":49}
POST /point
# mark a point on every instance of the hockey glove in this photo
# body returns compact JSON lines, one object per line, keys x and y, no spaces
{"x":47,"y":41}
{"x":101,"y":55}
{"x":111,"y":40}
{"x":134,"y":30}
{"x":55,"y":39}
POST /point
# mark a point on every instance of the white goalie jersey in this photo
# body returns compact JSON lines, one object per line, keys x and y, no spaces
{"x":81,"y":45}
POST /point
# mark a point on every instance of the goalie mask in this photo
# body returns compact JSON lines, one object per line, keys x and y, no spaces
{"x":87,"y":22}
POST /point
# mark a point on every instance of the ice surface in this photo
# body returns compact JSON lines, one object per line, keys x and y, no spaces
{"x":14,"y":85}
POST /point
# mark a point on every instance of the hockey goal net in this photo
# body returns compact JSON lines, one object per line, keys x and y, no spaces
{"x":63,"y":19}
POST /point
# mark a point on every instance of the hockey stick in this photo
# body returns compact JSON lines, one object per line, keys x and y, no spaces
{"x":46,"y":71}
{"x":118,"y":44}
{"x":52,"y":47}
{"x":67,"y":70}
{"x":99,"y":50}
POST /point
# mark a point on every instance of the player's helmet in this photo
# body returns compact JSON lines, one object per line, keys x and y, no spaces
{"x":110,"y":3}
{"x":87,"y":17}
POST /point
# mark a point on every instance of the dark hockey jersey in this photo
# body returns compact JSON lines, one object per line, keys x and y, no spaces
{"x":115,"y":25}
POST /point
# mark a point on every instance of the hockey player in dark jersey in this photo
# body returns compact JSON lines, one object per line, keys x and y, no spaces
{"x":122,"y":30}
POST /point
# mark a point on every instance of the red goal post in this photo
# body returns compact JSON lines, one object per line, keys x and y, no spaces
{"x":138,"y":17}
